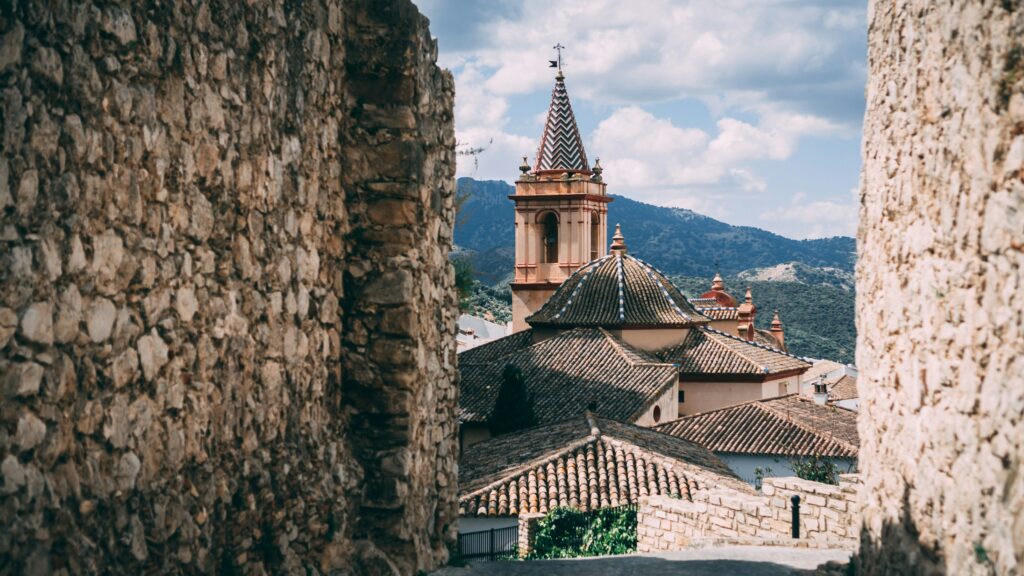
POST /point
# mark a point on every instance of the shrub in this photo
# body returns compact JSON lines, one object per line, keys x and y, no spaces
{"x":569,"y":533}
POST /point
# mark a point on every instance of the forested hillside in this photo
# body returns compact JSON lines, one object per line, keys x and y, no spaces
{"x":674,"y":240}
{"x":809,"y":281}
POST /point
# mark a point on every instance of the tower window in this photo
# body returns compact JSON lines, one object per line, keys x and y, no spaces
{"x":682,"y":396}
{"x":549,"y":239}
{"x":595,"y":234}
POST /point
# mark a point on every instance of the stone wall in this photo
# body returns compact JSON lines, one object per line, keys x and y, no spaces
{"x":939,"y":284}
{"x":829,"y":516}
{"x":226,"y":313}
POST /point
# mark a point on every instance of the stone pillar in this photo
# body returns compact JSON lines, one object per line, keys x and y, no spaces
{"x":939,"y":284}
{"x":527,"y":532}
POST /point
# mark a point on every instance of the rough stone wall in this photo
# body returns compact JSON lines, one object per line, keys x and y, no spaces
{"x":829,"y":516}
{"x":939,"y":284}
{"x":226,"y":313}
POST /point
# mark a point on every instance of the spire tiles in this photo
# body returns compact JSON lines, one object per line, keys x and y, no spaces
{"x":561,"y":147}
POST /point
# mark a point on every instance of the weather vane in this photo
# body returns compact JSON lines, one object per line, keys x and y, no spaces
{"x":557,"y":63}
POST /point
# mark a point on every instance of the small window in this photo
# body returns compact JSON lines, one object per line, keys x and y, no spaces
{"x":682,"y":396}
{"x":657,"y":413}
{"x":549,"y":239}
{"x":595,"y":234}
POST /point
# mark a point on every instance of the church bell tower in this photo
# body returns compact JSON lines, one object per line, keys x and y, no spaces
{"x":561,"y":207}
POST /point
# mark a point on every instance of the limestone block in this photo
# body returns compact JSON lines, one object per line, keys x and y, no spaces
{"x":37,"y":323}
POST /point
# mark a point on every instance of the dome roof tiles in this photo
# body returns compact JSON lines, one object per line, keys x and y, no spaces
{"x":616,"y":291}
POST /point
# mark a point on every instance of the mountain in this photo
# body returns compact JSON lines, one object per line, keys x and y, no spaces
{"x":810,"y":282}
{"x":802,"y":273}
{"x":674,"y":240}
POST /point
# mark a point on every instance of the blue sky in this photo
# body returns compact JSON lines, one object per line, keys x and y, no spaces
{"x":749,"y":112}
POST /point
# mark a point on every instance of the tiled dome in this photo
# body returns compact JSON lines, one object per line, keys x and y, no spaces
{"x":617,"y":291}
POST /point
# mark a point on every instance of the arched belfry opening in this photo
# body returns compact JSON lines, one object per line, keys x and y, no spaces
{"x":549,"y":238}
{"x":595,"y":235}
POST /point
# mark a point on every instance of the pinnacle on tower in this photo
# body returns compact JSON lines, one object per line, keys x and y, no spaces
{"x":561,"y":147}
{"x":618,"y":241}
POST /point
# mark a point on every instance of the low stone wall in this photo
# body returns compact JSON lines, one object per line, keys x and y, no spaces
{"x":828,"y":514}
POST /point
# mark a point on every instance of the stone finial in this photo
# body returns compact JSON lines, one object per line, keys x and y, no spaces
{"x":597,"y":170}
{"x":524,"y":167}
{"x":716,"y":282}
{"x":618,"y":241}
{"x":776,"y":323}
{"x":748,"y":298}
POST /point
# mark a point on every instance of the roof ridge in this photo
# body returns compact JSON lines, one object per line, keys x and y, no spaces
{"x":831,"y":437}
{"x":752,"y":343}
{"x":757,"y":365}
{"x":649,"y":270}
{"x":590,"y":266}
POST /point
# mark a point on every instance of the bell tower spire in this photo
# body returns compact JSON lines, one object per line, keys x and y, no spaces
{"x":561,"y":208}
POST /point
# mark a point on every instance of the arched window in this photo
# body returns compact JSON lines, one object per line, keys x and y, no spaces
{"x":549,"y":238}
{"x":595,"y":234}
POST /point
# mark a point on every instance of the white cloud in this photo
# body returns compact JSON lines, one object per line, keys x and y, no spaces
{"x":666,"y":49}
{"x":647,"y":155}
{"x":816,"y":219}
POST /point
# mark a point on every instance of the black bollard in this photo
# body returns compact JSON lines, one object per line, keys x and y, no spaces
{"x":796,"y":515}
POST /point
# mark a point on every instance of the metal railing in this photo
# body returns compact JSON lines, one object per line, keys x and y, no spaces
{"x":493,"y":544}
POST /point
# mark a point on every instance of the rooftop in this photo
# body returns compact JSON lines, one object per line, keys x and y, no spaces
{"x":566,"y":374}
{"x":788,"y":425}
{"x":709,"y":351}
{"x":585,"y":462}
{"x":616,"y":291}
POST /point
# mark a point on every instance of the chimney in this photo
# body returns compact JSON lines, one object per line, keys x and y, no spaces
{"x":820,"y":392}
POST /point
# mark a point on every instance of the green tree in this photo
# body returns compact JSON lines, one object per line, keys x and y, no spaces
{"x":513,"y":410}
{"x":464,"y":282}
{"x":815,"y":469}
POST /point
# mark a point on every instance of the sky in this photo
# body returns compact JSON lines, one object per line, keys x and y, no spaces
{"x":748,"y":112}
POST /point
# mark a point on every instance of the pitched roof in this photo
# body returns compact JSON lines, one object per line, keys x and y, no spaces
{"x":720,"y":313}
{"x":561,"y":147}
{"x":702,"y":303}
{"x":842,"y":388}
{"x":822,"y":368}
{"x":709,"y":351}
{"x":565,"y":373}
{"x":788,"y":425}
{"x":617,"y":290}
{"x":586,"y":462}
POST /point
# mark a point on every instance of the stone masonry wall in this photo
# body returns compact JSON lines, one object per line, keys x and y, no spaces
{"x":940,"y":316}
{"x":226,"y":312}
{"x":829,"y":515}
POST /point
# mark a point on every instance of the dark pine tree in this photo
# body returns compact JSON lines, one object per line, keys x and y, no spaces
{"x":513,"y":409}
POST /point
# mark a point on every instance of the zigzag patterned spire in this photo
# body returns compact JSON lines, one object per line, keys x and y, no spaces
{"x":561,"y":147}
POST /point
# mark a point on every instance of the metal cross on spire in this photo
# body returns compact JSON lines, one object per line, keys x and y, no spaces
{"x":557,"y":63}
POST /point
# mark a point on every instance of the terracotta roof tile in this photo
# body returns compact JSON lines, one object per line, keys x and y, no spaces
{"x":717,"y":313}
{"x":565,"y":374}
{"x":615,"y":291}
{"x":709,"y":351}
{"x":843,"y":388}
{"x":701,"y":303}
{"x":784,"y":426}
{"x":586,"y":463}
{"x":561,"y":147}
